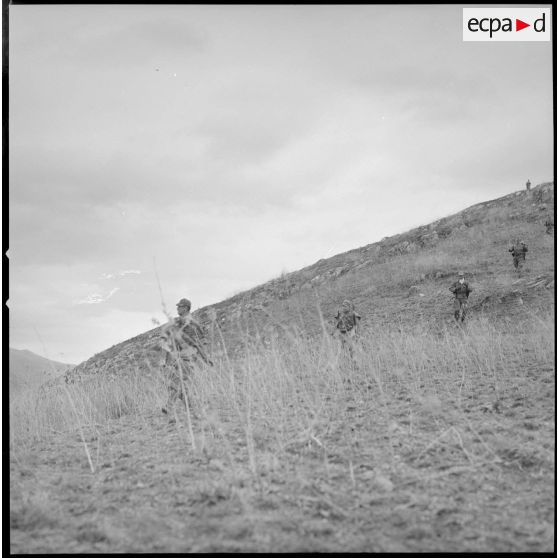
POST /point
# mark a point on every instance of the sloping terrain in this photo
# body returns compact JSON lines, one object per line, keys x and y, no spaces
{"x":30,"y":370}
{"x":424,"y":436}
{"x":403,"y":279}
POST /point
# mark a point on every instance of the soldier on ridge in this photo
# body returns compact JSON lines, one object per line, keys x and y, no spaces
{"x":528,"y":185}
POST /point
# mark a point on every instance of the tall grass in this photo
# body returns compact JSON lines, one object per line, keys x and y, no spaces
{"x":290,"y":390}
{"x":37,"y":413}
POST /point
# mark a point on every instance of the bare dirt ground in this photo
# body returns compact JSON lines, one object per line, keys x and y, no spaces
{"x":434,"y":468}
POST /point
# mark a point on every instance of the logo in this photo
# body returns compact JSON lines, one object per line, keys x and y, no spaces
{"x":506,"y":24}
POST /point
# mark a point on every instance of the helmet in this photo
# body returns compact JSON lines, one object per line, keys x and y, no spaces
{"x":184,"y":302}
{"x":460,"y":274}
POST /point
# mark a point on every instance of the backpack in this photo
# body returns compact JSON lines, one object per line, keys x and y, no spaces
{"x":346,"y":321}
{"x":461,"y":290}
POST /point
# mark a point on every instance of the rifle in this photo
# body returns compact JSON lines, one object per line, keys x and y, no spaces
{"x":201,"y":352}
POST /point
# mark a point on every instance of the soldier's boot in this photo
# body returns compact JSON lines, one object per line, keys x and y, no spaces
{"x":167,"y":406}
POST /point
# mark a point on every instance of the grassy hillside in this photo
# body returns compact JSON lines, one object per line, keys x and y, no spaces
{"x":30,"y":370}
{"x":400,"y":281}
{"x":427,"y":438}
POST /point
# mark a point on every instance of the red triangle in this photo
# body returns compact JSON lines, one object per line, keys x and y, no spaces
{"x":519,"y":25}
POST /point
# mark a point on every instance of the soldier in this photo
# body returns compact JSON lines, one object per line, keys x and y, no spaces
{"x":518,"y":251}
{"x":181,"y":343}
{"x":528,"y":185}
{"x":461,"y":290}
{"x":549,"y":226}
{"x":347,"y":323}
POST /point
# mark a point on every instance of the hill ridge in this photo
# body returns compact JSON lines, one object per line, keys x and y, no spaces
{"x":268,"y":306}
{"x":28,"y":369}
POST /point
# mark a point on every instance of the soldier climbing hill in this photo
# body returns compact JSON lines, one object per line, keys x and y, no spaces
{"x":182,"y":343}
{"x":518,"y":251}
{"x":461,"y":290}
{"x":346,"y":320}
{"x":347,"y":324}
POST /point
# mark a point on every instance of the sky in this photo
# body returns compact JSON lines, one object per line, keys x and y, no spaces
{"x":166,"y":151}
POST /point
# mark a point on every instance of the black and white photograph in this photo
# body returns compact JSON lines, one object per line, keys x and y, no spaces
{"x":280,"y":277}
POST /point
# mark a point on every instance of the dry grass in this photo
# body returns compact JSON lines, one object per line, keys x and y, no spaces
{"x":36,"y":414}
{"x":428,"y":437}
{"x":297,"y":444}
{"x":292,"y":387}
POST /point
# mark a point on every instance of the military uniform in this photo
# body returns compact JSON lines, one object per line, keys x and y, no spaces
{"x":461,"y":292}
{"x":346,"y":322}
{"x":182,"y":343}
{"x":518,"y":252}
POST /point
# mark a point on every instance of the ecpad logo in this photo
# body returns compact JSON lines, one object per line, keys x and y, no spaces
{"x":493,"y":25}
{"x":506,"y":24}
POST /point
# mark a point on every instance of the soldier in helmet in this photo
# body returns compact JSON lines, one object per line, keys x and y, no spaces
{"x":461,"y":289}
{"x":182,"y":343}
{"x":528,"y":185}
{"x":347,"y":325}
{"x":518,"y":251}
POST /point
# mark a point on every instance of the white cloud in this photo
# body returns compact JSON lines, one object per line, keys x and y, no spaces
{"x":121,"y":273}
{"x":290,"y":133}
{"x":96,"y":298}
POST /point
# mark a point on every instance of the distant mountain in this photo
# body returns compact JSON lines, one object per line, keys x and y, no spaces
{"x":30,"y":370}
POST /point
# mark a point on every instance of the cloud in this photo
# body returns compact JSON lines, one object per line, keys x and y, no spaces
{"x":96,"y":298}
{"x":121,"y":273}
{"x":93,"y":335}
{"x":112,"y":37}
{"x":269,"y":138}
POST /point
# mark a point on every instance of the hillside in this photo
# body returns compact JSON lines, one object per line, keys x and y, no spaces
{"x":28,"y":369}
{"x":425,"y":437}
{"x":401,"y":281}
